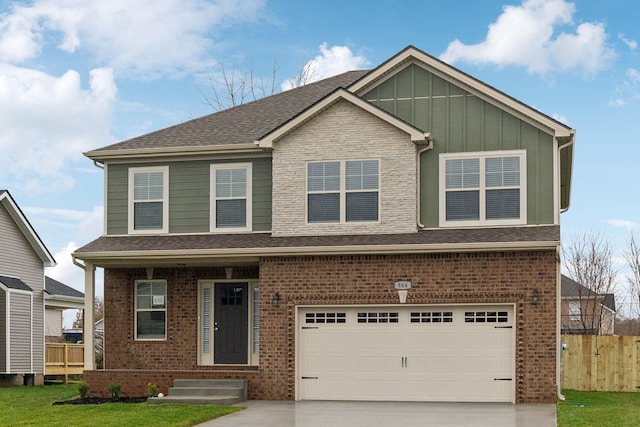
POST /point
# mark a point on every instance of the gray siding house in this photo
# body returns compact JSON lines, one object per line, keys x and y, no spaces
{"x":384,"y":234}
{"x":23,"y":258}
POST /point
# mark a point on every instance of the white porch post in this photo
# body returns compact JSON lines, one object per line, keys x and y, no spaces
{"x":88,"y":334}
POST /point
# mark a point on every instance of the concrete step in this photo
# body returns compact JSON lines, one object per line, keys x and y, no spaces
{"x":196,"y":400}
{"x":209,"y":383}
{"x":206,"y":391}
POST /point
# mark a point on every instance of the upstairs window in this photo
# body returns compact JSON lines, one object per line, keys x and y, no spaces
{"x":343,"y":191}
{"x":148,"y":199}
{"x":231,"y":197}
{"x":482,"y":188}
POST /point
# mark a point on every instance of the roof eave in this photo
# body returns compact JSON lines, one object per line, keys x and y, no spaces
{"x":106,"y":257}
{"x":146,"y":153}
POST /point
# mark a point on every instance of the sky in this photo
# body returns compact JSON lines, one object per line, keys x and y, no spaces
{"x":76,"y":75}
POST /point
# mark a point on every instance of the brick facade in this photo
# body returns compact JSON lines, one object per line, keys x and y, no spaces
{"x":449,"y":278}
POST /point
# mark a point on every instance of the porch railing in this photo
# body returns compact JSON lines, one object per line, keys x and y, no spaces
{"x":64,"y":359}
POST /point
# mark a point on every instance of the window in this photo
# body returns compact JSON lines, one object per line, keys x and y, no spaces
{"x":346,"y":191}
{"x":151,"y":309}
{"x":486,"y":188}
{"x":231,"y":197}
{"x":148,"y":199}
{"x":574,"y":310}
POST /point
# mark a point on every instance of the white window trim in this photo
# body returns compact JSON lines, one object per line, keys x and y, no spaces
{"x":165,"y":198}
{"x":135,"y":315}
{"x":483,"y":155}
{"x":575,"y":310}
{"x":212,"y":197}
{"x":343,"y":193}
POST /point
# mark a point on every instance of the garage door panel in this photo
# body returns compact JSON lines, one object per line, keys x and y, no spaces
{"x":451,"y":353}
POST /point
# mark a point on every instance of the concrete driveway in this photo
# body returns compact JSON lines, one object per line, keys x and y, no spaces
{"x":387,"y":414}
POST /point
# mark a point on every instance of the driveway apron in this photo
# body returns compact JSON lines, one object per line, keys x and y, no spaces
{"x":396,"y":414}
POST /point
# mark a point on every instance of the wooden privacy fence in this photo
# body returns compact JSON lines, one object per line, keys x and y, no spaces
{"x":601,"y":363}
{"x":64,"y":359}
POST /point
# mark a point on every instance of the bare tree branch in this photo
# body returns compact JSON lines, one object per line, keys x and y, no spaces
{"x":632,"y":256}
{"x":588,"y":258}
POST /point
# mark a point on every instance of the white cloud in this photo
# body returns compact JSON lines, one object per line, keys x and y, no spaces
{"x":627,"y":225}
{"x":47,"y":122}
{"x":144,"y":38}
{"x":84,"y":225}
{"x":560,"y":118}
{"x":525,"y":36}
{"x":628,"y":90}
{"x":631,"y":44}
{"x":330,"y":62}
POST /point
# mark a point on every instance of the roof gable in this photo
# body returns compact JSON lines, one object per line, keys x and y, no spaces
{"x":411,"y":55}
{"x":417,"y":135}
{"x":27,"y":230}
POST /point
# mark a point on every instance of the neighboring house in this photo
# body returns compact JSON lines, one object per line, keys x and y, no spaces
{"x":57,"y":298}
{"x":586,"y":312}
{"x":23,"y":258}
{"x":277,"y":240}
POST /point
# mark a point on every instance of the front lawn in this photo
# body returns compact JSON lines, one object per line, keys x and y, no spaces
{"x":33,"y":406}
{"x":588,"y":408}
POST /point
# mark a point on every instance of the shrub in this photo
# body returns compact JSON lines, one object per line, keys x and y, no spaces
{"x":152,"y":390}
{"x":82,"y":389}
{"x":114,"y":390}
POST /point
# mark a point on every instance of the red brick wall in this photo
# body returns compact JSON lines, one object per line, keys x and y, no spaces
{"x":491,"y":277}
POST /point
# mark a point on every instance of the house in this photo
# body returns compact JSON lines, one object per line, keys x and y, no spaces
{"x":390,"y":234}
{"x":57,"y":298}
{"x":584,"y":311}
{"x":23,"y":258}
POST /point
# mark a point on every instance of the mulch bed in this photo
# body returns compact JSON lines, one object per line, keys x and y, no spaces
{"x":100,"y":400}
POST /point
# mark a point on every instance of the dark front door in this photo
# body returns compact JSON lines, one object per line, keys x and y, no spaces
{"x":231,"y":323}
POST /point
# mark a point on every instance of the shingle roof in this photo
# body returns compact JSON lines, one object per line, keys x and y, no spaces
{"x":242,"y":124}
{"x":53,"y":287}
{"x":14,"y":283}
{"x":572,"y":289}
{"x":264,"y":240}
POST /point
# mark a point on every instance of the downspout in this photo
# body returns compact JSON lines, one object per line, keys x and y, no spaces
{"x":96,"y":164}
{"x":429,"y":146}
{"x":560,"y":148}
{"x":559,"y":350}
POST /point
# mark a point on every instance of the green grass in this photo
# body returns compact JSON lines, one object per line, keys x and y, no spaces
{"x":587,"y":408}
{"x":32,"y":406}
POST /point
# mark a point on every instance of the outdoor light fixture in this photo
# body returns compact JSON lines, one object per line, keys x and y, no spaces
{"x":275,"y":299}
{"x":535,"y":297}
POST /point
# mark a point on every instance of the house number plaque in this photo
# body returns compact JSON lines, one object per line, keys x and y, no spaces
{"x":402,"y":285}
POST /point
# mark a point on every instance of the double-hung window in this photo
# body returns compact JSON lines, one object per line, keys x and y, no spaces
{"x":343,"y":191}
{"x":151,"y":309}
{"x":483,"y":188}
{"x":148,"y":199}
{"x":231,"y":197}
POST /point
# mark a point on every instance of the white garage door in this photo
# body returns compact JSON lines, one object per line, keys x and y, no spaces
{"x":452,"y":353}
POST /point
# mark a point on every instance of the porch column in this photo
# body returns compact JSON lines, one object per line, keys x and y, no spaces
{"x":88,"y":333}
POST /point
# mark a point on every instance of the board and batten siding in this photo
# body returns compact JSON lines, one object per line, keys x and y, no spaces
{"x":345,"y":132}
{"x":189,"y":194}
{"x":462,"y":122}
{"x":20,"y":260}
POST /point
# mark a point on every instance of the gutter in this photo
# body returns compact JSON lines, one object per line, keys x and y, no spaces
{"x":568,"y":144}
{"x":429,"y":146}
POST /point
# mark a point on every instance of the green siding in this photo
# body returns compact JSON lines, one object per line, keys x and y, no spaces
{"x":462,"y":122}
{"x":189,"y":194}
